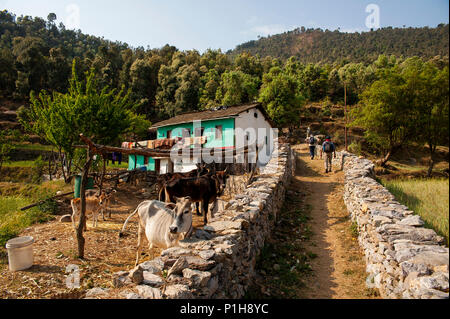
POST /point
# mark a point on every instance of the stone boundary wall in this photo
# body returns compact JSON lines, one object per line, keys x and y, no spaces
{"x":218,"y":261}
{"x":404,"y":259}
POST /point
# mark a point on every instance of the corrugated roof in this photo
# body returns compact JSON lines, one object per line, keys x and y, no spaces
{"x":231,"y":111}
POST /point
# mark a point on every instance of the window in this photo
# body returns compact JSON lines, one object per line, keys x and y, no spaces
{"x":218,"y":132}
{"x":256,"y":115}
{"x":199,"y":131}
{"x":186,"y":132}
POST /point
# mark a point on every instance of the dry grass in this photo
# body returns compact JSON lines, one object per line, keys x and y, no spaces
{"x":55,"y":248}
{"x":427,"y":197}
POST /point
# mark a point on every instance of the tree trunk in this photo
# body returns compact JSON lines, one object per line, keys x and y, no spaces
{"x":430,"y":168}
{"x":82,"y":222}
{"x":61,"y":159}
{"x":385,"y":159}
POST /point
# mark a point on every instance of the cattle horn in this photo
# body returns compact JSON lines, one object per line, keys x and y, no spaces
{"x":171,"y":205}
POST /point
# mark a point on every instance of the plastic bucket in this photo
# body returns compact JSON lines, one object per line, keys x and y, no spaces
{"x":77,"y":185}
{"x":20,"y":253}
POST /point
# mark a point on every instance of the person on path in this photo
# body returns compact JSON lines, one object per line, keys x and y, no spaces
{"x":312,"y":146}
{"x":328,"y":148}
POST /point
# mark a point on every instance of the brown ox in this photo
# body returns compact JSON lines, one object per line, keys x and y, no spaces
{"x":169,"y":177}
{"x":204,"y":189}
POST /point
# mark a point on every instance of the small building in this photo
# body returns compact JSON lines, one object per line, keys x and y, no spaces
{"x":223,"y":128}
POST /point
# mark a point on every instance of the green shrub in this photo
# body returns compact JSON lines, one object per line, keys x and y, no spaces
{"x":355,"y":148}
{"x":38,"y":170}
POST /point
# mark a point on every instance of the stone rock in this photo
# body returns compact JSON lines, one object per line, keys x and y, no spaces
{"x":178,"y":292}
{"x":437,"y":281}
{"x":219,"y":226}
{"x":417,"y":268}
{"x":195,"y":262}
{"x":137,"y":275}
{"x":175,"y":252}
{"x":96,"y":292}
{"x":133,"y":295}
{"x":153,"y":266}
{"x":412,"y":220}
{"x":199,"y":278}
{"x":152,"y":279}
{"x":200,"y":233}
{"x":381,"y":220}
{"x":178,"y":266}
{"x":121,"y":279}
{"x":207,"y":254}
{"x":213,"y":285}
{"x":147,"y":292}
{"x":65,"y":219}
{"x":276,"y":267}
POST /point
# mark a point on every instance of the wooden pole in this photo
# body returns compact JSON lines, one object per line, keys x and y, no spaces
{"x":100,"y":149}
{"x":43,"y":201}
{"x":82,"y":222}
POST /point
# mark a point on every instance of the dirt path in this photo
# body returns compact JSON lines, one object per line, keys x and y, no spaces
{"x":314,"y":251}
{"x":339,"y":269}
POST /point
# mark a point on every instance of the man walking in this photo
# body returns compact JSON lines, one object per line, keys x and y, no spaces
{"x":328,"y":148}
{"x":312,"y":146}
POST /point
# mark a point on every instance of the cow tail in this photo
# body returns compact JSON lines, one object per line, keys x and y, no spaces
{"x":126,"y":221}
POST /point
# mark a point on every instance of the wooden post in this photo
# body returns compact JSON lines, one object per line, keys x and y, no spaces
{"x":82,"y":222}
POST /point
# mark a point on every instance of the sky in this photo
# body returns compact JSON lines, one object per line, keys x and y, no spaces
{"x":223,"y":24}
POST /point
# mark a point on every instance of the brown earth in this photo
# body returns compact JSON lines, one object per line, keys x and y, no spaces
{"x":313,"y":253}
{"x":339,"y":268}
{"x":55,"y":248}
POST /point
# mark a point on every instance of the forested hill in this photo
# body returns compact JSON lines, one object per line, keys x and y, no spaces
{"x":316,"y":45}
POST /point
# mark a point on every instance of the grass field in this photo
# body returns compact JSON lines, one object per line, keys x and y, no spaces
{"x":13,"y":220}
{"x":17,"y":195}
{"x":429,"y":198}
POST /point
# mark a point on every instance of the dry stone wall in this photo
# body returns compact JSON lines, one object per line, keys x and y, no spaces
{"x":219,"y":260}
{"x":404,"y":259}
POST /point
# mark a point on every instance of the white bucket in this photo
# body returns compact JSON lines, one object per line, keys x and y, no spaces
{"x":20,"y":253}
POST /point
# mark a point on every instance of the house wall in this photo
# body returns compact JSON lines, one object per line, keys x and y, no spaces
{"x":227,"y":139}
{"x":230,"y":138}
{"x":246,"y":120}
{"x":140,"y":162}
{"x":209,"y":126}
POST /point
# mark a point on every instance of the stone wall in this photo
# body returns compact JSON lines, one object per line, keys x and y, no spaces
{"x":403,"y":258}
{"x":218,"y":261}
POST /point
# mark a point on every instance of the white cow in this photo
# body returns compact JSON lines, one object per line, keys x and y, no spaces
{"x":162,"y":223}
